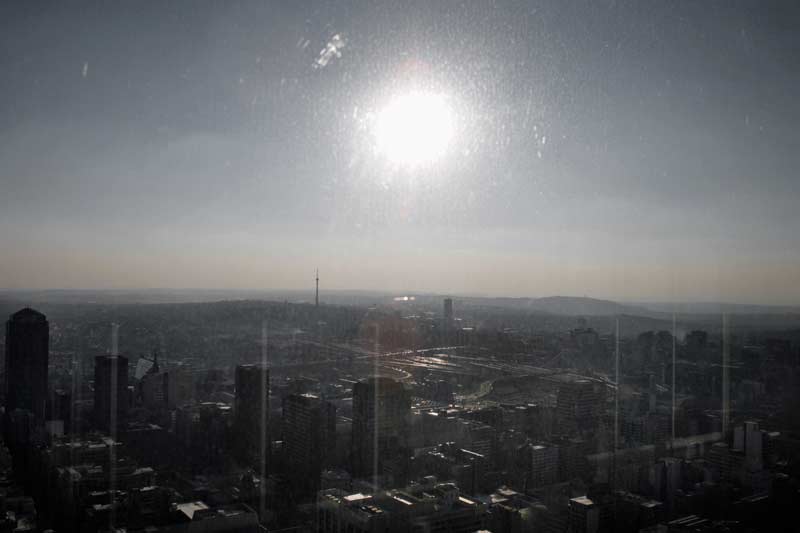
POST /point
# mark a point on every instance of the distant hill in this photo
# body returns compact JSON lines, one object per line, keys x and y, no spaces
{"x":566,"y":305}
{"x":643,"y":317}
{"x":160,"y":296}
{"x":716,"y":308}
{"x":569,"y":305}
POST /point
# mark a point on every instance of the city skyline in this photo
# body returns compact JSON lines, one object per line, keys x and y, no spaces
{"x":370,"y":420}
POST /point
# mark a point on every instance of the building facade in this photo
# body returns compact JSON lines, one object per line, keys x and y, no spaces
{"x":27,"y":352}
{"x":381,"y":407}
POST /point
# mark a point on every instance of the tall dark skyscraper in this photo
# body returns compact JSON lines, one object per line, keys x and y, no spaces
{"x":110,"y":391}
{"x":27,"y":348}
{"x":447,"y":322}
{"x":309,"y":427}
{"x":448,"y":311}
{"x":251,"y":414}
{"x":381,"y":407}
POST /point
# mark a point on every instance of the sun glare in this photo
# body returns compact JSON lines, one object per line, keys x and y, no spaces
{"x":414,"y":129}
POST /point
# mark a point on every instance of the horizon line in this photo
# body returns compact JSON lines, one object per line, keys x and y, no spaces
{"x":389,"y":292}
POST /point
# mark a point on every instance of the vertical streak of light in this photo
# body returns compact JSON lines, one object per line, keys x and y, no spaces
{"x":163,"y":353}
{"x":113,"y":422}
{"x":73,"y":410}
{"x":375,"y":409}
{"x":674,"y":341}
{"x":725,"y":375}
{"x":263,"y":398}
{"x":114,"y":339}
{"x":616,"y":400}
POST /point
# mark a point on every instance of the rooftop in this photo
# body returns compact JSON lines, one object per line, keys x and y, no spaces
{"x":190,"y":508}
{"x":26,"y":313}
{"x":582,"y":500}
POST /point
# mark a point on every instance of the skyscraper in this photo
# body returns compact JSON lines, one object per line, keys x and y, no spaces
{"x":447,"y":322}
{"x":309,"y":434}
{"x":578,"y":404}
{"x":381,"y":407}
{"x":539,"y":464}
{"x":27,"y":349}
{"x":251,"y":414}
{"x":448,"y":311}
{"x":110,"y":391}
{"x":154,"y":388}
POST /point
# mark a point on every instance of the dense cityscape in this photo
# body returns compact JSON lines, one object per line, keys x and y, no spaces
{"x":412,"y":414}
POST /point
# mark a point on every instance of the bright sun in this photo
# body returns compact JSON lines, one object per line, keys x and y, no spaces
{"x":414,"y":129}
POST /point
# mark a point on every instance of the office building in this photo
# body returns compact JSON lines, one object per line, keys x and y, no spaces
{"x":111,"y":396}
{"x":584,"y":516}
{"x":579,"y":404}
{"x":540,"y":463}
{"x":27,"y":349}
{"x":155,"y":390}
{"x":381,"y":407}
{"x":309,"y":427}
{"x":309,"y":437}
{"x":448,"y":311}
{"x":251,"y":414}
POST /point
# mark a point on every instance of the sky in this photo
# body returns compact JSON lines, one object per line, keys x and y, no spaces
{"x":625,"y":150}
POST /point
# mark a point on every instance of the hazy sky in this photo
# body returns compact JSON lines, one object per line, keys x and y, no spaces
{"x":631,"y":150}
